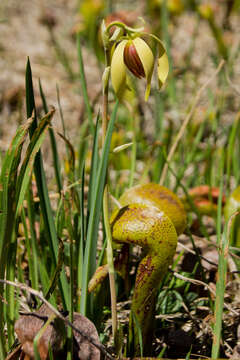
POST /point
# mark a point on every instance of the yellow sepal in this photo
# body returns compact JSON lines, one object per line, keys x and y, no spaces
{"x":118,"y":70}
{"x":163,"y":65}
{"x":146,"y":56}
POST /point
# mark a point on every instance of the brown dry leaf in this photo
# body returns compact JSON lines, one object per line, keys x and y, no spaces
{"x":206,"y":192}
{"x":86,"y":351}
{"x":27,"y":327}
{"x":54,"y":336}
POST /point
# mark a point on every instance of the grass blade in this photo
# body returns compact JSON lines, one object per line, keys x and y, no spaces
{"x":7,"y":214}
{"x":94,"y":166}
{"x":84,"y":84}
{"x":223,"y":244}
{"x":22,"y":183}
{"x":32,"y":270}
{"x":45,"y":205}
{"x":56,"y":162}
{"x":94,"y":216}
{"x":26,"y":168}
{"x":82,"y":239}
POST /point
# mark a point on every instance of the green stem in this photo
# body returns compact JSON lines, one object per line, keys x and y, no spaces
{"x":134,"y":151}
{"x":106,"y":199}
{"x":129,"y":30}
{"x":110,"y":261}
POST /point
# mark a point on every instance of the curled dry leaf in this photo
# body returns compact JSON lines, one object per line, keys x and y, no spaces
{"x":54,"y":336}
{"x":205,"y":199}
{"x":27,"y":327}
{"x":86,"y":351}
{"x":206,"y":192}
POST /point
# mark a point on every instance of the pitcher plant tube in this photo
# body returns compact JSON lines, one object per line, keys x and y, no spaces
{"x":151,"y":216}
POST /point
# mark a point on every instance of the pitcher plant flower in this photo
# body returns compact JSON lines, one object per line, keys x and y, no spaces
{"x":133,"y":54}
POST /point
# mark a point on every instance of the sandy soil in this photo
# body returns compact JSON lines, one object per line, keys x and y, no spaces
{"x":23,"y":35}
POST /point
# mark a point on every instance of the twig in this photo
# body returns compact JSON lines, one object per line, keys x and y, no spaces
{"x":231,"y":84}
{"x":195,"y":253}
{"x":186,"y":121}
{"x":199,"y":282}
{"x":231,"y":263}
{"x":58,"y":314}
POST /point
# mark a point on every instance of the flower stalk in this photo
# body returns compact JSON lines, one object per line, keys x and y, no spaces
{"x":105,"y":85}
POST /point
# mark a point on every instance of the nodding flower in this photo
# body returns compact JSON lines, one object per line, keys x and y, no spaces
{"x":138,"y":64}
{"x":136,"y":56}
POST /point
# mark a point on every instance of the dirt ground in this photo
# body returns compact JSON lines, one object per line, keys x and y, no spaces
{"x":23,"y":35}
